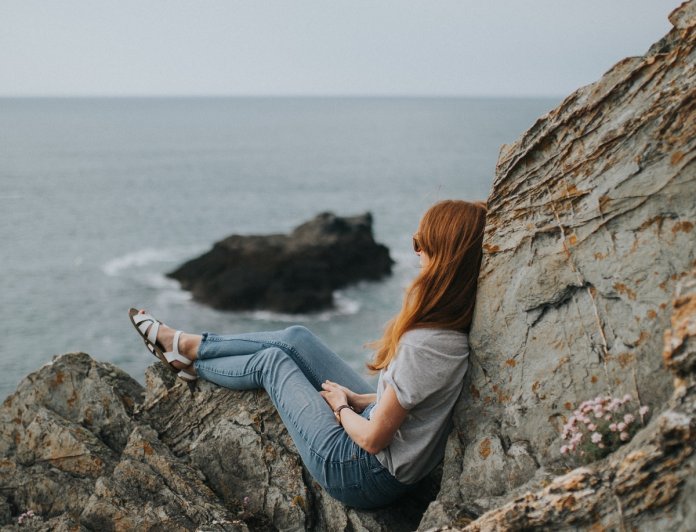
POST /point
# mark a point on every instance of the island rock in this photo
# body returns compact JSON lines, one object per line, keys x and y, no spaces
{"x":293,"y":273}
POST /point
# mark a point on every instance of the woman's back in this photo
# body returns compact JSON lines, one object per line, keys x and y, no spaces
{"x":427,"y":375}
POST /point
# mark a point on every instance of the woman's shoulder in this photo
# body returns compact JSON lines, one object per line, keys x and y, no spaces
{"x":441,"y":340}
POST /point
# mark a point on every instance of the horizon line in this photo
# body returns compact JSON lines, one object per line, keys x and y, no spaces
{"x":280,"y":96}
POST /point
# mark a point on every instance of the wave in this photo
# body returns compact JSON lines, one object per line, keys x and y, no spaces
{"x":343,"y":306}
{"x":143,"y":257}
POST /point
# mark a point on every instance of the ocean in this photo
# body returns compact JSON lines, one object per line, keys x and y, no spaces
{"x":99,"y":198}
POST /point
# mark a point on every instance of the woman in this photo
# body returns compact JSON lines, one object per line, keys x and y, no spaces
{"x":365,"y":449}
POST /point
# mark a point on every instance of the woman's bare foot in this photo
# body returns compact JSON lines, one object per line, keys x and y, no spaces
{"x":188,"y":345}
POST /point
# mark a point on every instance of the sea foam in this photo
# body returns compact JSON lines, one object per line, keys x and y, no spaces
{"x":143,"y":257}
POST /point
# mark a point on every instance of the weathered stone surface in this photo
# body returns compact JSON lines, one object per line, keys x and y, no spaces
{"x":86,"y":447}
{"x":149,"y":488}
{"x":287,"y":273}
{"x":590,"y":227}
{"x":239,"y":443}
{"x":648,"y":484}
{"x":237,"y":440}
{"x":74,"y":452}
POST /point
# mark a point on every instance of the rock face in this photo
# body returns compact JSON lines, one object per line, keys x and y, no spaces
{"x":590,"y":227}
{"x":84,"y":446}
{"x":287,"y":273}
{"x":648,"y":484}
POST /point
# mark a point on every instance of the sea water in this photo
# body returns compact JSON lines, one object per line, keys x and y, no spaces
{"x":100,"y":198}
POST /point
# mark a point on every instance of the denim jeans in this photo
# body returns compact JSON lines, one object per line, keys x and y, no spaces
{"x":291,"y":365}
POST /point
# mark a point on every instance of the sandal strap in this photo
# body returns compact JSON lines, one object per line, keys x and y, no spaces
{"x":174,"y":353}
{"x":171,"y":357}
{"x":143,"y":321}
{"x":152,"y":336}
{"x":186,"y":376}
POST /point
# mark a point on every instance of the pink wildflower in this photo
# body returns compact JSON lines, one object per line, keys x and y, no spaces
{"x":596,"y":437}
{"x":565,"y":449}
{"x":621,"y":426}
{"x":592,"y":427}
{"x":643,"y":410}
{"x":626,"y":398}
{"x":613,"y":427}
{"x":624,"y":436}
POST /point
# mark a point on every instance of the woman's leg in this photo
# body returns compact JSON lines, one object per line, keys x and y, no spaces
{"x":345,"y":470}
{"x":320,"y":440}
{"x":312,"y":356}
{"x":269,"y":361}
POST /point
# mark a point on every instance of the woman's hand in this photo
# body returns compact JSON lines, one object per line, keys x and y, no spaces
{"x":372,"y":434}
{"x":335,"y":394}
{"x":358,"y":401}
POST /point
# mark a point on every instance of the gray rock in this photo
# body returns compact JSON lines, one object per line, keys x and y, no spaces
{"x":590,"y":227}
{"x":212,"y":460}
{"x":648,"y":484}
{"x":74,"y":453}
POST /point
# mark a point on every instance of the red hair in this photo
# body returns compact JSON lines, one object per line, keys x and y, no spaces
{"x":443,"y":294}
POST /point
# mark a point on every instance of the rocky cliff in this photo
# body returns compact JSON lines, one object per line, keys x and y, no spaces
{"x":85,"y":447}
{"x":590,"y":227}
{"x":589,"y":258}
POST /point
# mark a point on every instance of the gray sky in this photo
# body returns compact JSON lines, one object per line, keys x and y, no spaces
{"x":319,"y":47}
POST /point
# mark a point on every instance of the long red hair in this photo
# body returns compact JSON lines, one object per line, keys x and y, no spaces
{"x":443,"y":294}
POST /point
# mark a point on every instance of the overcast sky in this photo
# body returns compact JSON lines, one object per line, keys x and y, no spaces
{"x":319,"y":47}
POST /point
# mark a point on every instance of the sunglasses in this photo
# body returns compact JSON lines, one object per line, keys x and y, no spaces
{"x":416,"y":244}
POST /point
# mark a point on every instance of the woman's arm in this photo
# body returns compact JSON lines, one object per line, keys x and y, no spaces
{"x":372,"y":434}
{"x":360,"y":401}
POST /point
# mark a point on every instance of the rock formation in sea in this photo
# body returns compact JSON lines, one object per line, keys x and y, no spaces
{"x":588,"y":287}
{"x":293,"y":273}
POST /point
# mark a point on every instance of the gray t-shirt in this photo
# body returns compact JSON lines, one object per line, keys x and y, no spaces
{"x":427,"y":376}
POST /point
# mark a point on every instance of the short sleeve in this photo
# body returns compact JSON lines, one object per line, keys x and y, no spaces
{"x":415,"y":373}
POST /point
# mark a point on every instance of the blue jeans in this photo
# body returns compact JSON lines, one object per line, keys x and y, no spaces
{"x":291,"y":365}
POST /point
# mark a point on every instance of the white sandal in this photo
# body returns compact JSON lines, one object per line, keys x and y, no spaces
{"x":141,"y":322}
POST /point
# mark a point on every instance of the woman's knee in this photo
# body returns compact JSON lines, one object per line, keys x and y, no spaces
{"x":298,"y":333}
